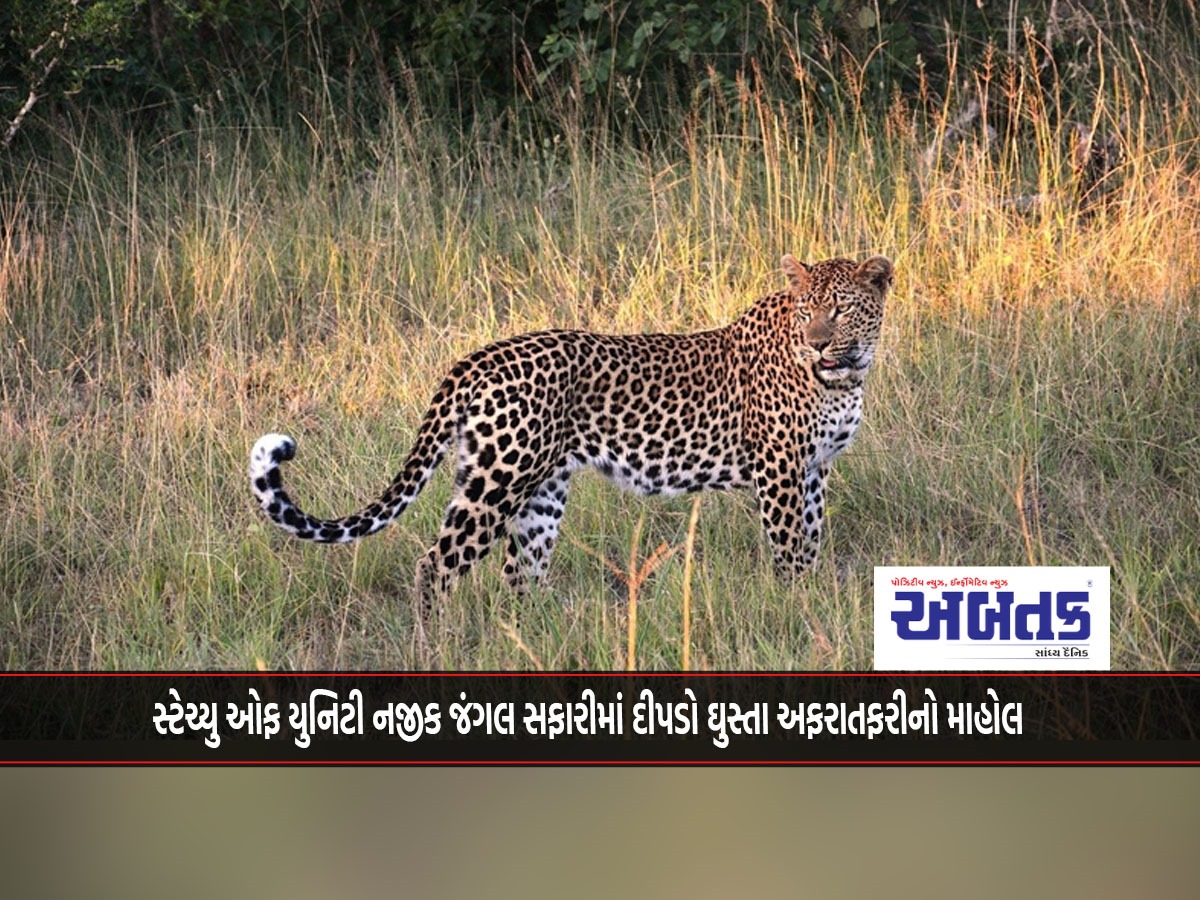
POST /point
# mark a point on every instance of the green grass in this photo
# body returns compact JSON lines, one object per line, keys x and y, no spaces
{"x":162,"y":305}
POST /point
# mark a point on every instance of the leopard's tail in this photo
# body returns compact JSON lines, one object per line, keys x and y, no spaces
{"x":433,"y":439}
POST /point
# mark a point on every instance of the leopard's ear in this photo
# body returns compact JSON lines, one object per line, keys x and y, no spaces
{"x":798,"y":275}
{"x":876,"y":271}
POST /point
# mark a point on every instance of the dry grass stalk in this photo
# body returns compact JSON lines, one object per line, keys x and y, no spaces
{"x":689,"y":546}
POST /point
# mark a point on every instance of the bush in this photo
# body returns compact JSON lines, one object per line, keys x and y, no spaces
{"x":173,"y":55}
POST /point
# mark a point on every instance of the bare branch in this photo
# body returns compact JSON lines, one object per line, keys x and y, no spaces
{"x":36,"y":93}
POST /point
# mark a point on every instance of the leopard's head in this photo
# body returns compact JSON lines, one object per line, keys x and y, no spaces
{"x":839,"y":311}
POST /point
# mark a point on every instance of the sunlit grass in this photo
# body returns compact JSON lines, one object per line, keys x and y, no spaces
{"x":161,"y":306}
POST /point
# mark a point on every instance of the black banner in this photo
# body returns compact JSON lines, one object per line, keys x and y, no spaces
{"x":598,"y":718}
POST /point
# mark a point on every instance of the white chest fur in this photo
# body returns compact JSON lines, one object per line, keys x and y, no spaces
{"x":837,"y":420}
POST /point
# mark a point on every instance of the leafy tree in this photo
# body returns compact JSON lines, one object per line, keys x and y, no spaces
{"x":52,"y":47}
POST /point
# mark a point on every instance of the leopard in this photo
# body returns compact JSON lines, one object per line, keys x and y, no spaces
{"x":765,"y":403}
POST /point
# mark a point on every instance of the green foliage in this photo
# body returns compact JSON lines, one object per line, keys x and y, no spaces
{"x":52,"y":47}
{"x":632,"y":56}
{"x":81,"y":35}
{"x":653,"y":38}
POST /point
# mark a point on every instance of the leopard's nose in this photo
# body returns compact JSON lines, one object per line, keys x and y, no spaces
{"x":818,"y":345}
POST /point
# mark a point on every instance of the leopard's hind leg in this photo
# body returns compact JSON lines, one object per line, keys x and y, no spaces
{"x":480,"y":512}
{"x":533,"y":532}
